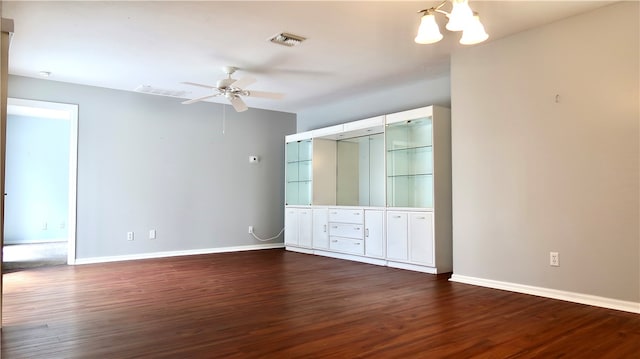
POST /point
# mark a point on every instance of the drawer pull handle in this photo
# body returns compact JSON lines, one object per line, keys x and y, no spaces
{"x":325,"y":228}
{"x":356,"y":214}
{"x":421,"y":217}
{"x":357,"y":228}
{"x":334,"y":227}
{"x":334,"y":241}
{"x":366,"y":232}
{"x":334,"y":212}
{"x":397,"y":216}
{"x":357,"y":243}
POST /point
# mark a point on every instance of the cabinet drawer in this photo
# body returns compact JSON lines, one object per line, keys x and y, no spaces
{"x":347,"y":245}
{"x":346,"y":215}
{"x":346,"y":230}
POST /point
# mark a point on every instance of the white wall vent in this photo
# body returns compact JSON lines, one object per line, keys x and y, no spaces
{"x":286,"y":39}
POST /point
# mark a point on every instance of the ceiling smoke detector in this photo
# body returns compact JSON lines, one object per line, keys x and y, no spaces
{"x":286,"y":39}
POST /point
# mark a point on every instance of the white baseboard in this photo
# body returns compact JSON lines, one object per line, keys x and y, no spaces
{"x":129,"y":257}
{"x":38,"y":241}
{"x":593,"y":300}
{"x":299,"y":250}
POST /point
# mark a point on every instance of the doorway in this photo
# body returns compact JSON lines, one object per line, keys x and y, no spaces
{"x":40,"y":184}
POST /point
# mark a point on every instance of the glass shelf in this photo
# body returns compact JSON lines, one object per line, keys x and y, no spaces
{"x":410,"y":163}
{"x":299,"y":172}
{"x":412,"y":175}
{"x":408,"y":148}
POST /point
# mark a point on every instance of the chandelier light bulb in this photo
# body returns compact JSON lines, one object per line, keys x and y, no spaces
{"x":474,"y":33}
{"x":428,"y":32}
{"x":461,"y":15}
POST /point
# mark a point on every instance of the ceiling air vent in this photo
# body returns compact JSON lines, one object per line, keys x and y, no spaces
{"x":162,"y":92}
{"x":286,"y":39}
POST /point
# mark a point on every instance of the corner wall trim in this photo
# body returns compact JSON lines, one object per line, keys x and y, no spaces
{"x":130,"y":257}
{"x":609,"y":303}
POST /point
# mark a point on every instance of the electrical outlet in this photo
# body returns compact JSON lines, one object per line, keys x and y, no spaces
{"x":554,"y":259}
{"x":129,"y":236}
{"x":152,"y":234}
{"x":250,"y":229}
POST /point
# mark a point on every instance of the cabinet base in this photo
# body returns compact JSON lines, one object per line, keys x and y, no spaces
{"x":368,"y":260}
{"x":299,"y":250}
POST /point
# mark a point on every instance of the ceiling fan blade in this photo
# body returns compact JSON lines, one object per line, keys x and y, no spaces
{"x":199,"y":85}
{"x":243,"y":82}
{"x":264,"y":94}
{"x":238,"y":104}
{"x":188,"y":102}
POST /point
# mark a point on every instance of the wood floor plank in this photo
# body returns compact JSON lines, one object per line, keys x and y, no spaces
{"x":278,"y":304}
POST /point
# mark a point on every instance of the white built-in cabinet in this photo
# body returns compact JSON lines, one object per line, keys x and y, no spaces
{"x":320,"y":233}
{"x":410,"y":237}
{"x":374,"y":233}
{"x":298,"y":229}
{"x":376,"y":190}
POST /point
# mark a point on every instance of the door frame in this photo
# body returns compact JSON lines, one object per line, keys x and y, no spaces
{"x":61,"y":111}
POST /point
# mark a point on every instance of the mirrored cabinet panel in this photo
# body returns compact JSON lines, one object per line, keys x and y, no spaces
{"x":360,"y":171}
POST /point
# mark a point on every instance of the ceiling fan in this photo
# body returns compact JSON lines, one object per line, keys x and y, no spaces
{"x":233,"y":89}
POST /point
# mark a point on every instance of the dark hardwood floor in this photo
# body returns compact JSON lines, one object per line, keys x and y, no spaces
{"x":277,"y":304}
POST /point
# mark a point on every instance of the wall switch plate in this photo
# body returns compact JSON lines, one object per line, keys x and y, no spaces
{"x":129,"y":236}
{"x":554,"y":259}
{"x":152,"y":234}
{"x":250,"y":229}
{"x":44,"y":226}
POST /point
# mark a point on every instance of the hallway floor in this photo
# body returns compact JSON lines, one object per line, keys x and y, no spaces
{"x":23,"y":256}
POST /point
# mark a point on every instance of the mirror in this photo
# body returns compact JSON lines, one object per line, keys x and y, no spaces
{"x":360,"y":171}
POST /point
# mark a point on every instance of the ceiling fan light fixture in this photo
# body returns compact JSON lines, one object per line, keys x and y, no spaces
{"x":286,"y":39}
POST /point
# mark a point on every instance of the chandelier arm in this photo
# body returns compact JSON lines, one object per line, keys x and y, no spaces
{"x":442,"y":12}
{"x":434,"y":9}
{"x":441,"y":5}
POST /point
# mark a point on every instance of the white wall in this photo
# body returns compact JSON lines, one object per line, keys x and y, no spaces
{"x":422,"y":92}
{"x":37,"y":179}
{"x":148,"y":162}
{"x":531,"y":175}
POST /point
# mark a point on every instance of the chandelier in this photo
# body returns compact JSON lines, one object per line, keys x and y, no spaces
{"x":461,"y":18}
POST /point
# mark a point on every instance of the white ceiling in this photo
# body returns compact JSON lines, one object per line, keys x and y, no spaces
{"x":351,"y":47}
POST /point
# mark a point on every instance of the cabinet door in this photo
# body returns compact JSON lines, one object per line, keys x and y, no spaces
{"x":305,"y":220}
{"x":320,"y":228}
{"x":374,"y":233}
{"x":421,"y":237}
{"x":397,"y":236}
{"x":291,"y":226}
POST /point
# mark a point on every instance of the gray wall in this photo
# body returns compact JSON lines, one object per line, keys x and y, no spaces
{"x":37,"y":179}
{"x":148,"y":162}
{"x":531,"y":175}
{"x":422,"y":92}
